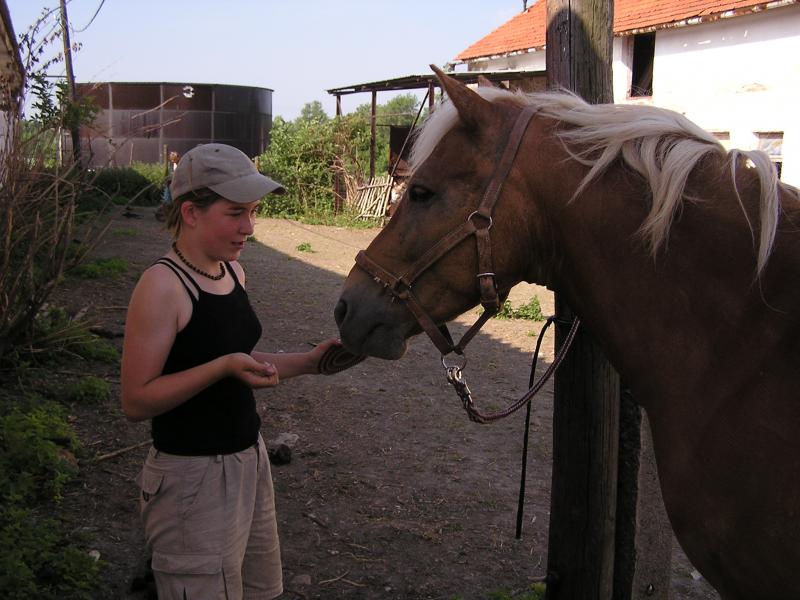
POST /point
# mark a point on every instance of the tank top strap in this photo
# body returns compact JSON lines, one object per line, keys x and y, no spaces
{"x":182,"y":275}
{"x":233,"y":274}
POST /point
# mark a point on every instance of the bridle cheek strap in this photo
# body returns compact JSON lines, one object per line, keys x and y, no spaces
{"x":400,"y":287}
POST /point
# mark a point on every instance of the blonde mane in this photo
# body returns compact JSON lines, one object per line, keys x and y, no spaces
{"x":661,"y":145}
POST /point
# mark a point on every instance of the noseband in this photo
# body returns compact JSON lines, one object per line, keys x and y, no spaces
{"x":478,"y":223}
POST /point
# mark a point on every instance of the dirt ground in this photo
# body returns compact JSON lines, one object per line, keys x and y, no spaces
{"x":391,"y":492}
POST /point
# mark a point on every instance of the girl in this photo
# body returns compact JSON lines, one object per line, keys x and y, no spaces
{"x":188,"y":364}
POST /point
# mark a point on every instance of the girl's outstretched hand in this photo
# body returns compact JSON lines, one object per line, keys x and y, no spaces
{"x":331,"y":357}
{"x":320,"y":349}
{"x":252,"y":372}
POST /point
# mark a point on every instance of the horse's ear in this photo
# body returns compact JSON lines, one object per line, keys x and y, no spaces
{"x":471,"y":107}
{"x":484,"y":82}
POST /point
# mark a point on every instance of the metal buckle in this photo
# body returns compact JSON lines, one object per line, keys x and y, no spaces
{"x":475,"y":212}
{"x":448,"y":368}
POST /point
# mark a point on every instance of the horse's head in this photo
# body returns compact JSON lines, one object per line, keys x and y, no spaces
{"x":454,"y":159}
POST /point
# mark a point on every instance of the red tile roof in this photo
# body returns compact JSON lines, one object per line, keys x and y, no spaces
{"x":527,"y":29}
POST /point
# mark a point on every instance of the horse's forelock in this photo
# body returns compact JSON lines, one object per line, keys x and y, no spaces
{"x":445,"y":117}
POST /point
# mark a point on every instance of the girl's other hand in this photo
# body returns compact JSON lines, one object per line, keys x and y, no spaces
{"x":255,"y":374}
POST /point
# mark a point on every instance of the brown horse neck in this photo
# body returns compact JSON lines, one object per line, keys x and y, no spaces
{"x":669,"y":320}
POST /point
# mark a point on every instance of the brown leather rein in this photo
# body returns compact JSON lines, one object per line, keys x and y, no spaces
{"x":401,"y":286}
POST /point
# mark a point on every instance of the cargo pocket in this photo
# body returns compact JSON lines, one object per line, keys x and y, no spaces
{"x":189,"y":576}
{"x":150,"y":481}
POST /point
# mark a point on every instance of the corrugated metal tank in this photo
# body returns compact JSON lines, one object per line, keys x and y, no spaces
{"x":144,"y":122}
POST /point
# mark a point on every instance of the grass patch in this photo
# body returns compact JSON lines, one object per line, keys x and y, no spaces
{"x":126,"y":232}
{"x":536,"y":592}
{"x":346,"y":219}
{"x":57,"y":337}
{"x":103,"y":268}
{"x":89,"y":390}
{"x":305,"y":247}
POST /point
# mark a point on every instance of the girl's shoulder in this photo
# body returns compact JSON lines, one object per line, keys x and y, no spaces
{"x":160,"y":281}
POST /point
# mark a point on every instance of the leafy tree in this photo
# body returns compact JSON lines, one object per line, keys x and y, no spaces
{"x":313,"y":111}
{"x":400,"y":110}
{"x":305,"y":155}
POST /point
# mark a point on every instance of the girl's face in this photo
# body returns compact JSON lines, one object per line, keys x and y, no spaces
{"x":223,"y":228}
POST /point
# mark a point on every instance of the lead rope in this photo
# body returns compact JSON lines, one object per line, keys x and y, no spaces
{"x":526,"y":436}
{"x":455,"y":377}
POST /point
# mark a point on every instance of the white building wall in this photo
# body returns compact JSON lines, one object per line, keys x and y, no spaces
{"x":738,"y":75}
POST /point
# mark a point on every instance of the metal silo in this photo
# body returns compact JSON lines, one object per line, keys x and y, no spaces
{"x":139,"y":122}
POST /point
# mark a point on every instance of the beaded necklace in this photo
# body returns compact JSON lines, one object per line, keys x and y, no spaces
{"x":195,"y":269}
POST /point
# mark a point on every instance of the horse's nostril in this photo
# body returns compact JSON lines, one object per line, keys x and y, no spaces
{"x":340,"y":311}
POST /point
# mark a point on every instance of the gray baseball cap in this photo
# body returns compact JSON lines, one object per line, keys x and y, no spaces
{"x":224,"y":170}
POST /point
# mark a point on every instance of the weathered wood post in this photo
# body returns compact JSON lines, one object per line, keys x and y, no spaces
{"x":586,"y":405}
{"x":339,"y":192}
{"x":372,"y":133}
{"x":74,"y":127}
{"x":598,"y":531}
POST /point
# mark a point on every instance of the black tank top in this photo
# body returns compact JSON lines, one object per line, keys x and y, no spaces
{"x":222,"y":419}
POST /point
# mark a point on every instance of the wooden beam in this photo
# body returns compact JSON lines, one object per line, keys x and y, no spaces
{"x":372,"y":134}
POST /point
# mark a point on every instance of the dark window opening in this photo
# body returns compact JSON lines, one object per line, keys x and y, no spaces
{"x":644,"y":46}
{"x":771,"y":142}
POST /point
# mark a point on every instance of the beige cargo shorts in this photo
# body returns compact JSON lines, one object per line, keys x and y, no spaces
{"x":210,"y":525}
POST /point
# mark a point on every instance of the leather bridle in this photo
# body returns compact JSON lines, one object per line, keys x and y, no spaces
{"x":401,"y":286}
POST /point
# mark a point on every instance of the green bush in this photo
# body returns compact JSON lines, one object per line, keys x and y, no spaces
{"x":532,"y":311}
{"x":306,"y":154}
{"x":37,"y":558}
{"x":92,"y":347}
{"x":301,"y":155}
{"x":32,"y":464}
{"x":36,"y":561}
{"x":89,"y":202}
{"x":89,"y":390}
{"x":127,"y":185}
{"x":155,"y":173}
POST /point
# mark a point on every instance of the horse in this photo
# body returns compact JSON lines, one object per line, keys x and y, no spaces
{"x":678,"y":256}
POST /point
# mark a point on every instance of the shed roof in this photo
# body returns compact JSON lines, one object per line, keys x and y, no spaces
{"x":526,"y":31}
{"x":413,"y":82}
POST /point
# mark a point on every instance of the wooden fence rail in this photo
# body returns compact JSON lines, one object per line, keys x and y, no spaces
{"x":372,"y":199}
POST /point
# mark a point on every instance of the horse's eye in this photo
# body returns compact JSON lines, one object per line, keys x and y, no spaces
{"x":418,"y":193}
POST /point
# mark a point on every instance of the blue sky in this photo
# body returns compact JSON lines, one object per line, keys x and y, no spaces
{"x":298,"y":48}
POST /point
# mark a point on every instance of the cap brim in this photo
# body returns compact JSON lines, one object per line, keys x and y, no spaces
{"x":248,"y":188}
